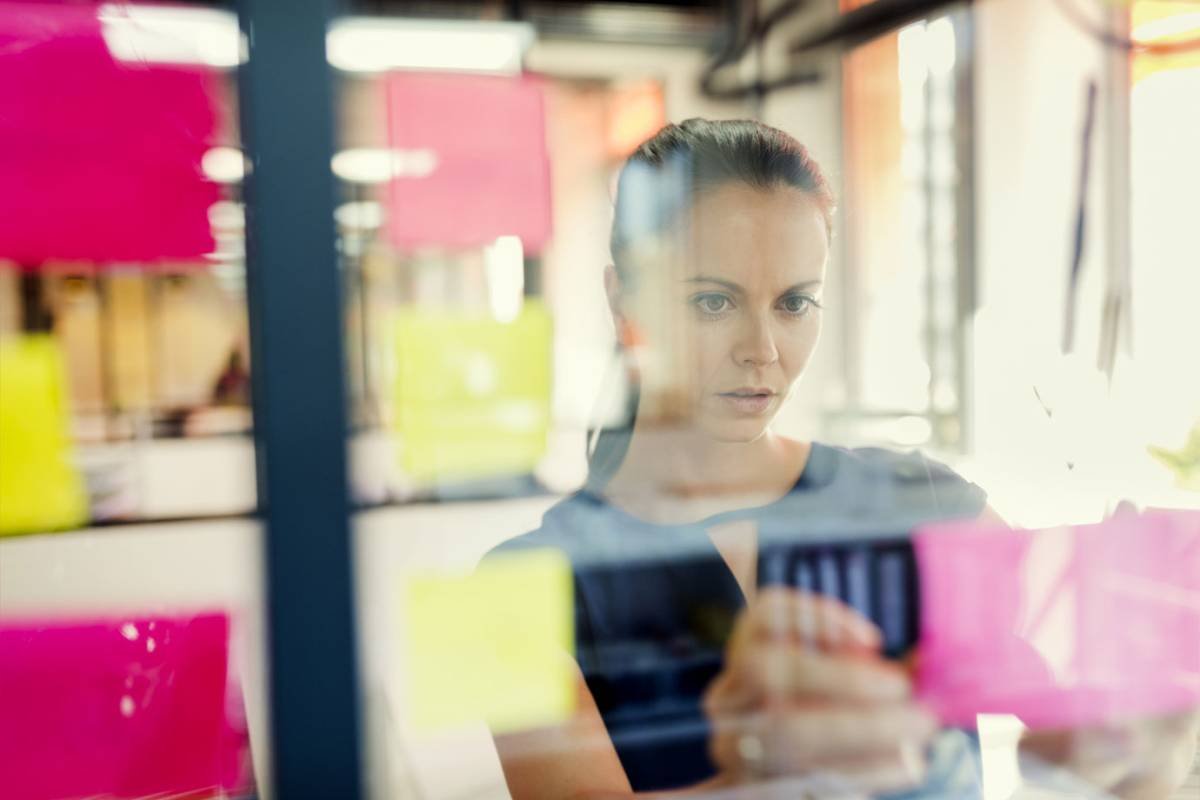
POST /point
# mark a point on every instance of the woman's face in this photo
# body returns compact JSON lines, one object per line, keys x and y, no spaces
{"x":735,"y":314}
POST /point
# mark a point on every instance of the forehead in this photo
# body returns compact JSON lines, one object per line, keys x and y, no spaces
{"x":757,"y":238}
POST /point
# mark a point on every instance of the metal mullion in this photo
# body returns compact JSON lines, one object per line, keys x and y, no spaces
{"x":295,"y":299}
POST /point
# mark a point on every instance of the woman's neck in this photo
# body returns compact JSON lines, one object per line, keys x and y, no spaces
{"x":680,"y":474}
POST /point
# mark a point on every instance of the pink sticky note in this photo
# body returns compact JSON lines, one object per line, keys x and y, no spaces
{"x":475,"y":166}
{"x":1061,"y":627}
{"x":101,"y":159}
{"x":120,"y":708}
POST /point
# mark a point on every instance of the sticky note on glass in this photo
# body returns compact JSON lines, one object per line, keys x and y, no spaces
{"x":472,"y":394}
{"x":493,"y":645}
{"x":121,"y":708}
{"x":483,"y":181}
{"x":1064,"y":627}
{"x":104,"y":161}
{"x":40,"y":490}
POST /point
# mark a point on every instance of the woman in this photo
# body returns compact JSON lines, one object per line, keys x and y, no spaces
{"x":694,"y":673}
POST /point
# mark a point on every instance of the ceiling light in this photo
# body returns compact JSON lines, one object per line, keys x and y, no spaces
{"x":363,"y":165}
{"x":172,"y":35}
{"x":362,"y":44}
{"x":226,"y":215}
{"x":224,"y":164}
{"x":380,"y":165}
{"x":362,"y":216}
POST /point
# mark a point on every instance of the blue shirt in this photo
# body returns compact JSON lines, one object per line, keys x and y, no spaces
{"x":655,"y":604}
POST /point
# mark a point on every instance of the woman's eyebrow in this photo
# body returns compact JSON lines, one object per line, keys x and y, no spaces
{"x":802,"y":286}
{"x":731,"y":286}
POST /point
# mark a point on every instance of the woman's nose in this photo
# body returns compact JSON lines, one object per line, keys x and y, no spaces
{"x":756,"y":344}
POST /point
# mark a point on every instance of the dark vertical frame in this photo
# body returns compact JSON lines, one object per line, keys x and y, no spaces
{"x":295,"y":297}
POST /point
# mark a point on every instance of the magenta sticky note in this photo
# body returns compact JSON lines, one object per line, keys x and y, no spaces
{"x":1062,"y":627}
{"x":121,"y":708}
{"x":473,"y":161}
{"x":101,"y":159}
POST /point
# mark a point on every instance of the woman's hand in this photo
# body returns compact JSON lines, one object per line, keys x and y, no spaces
{"x":805,"y":691}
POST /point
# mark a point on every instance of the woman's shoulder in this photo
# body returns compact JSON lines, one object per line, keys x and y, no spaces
{"x":906,"y":479}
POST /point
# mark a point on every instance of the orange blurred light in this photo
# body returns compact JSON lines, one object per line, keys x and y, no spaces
{"x":636,"y":114}
{"x":1164,"y":22}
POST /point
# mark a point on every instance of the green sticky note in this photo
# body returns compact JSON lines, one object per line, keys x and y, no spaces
{"x":40,"y":489}
{"x":494,"y":645}
{"x":471,"y":394}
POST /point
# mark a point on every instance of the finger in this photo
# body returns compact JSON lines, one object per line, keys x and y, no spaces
{"x":728,"y":694}
{"x":793,"y":672}
{"x":817,"y":620}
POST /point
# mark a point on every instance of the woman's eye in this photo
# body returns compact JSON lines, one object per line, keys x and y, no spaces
{"x":796,"y":304}
{"x":712,"y":303}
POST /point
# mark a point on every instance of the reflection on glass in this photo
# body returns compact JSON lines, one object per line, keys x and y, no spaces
{"x":747,"y":606}
{"x":825,"y":611}
{"x":703,"y":539}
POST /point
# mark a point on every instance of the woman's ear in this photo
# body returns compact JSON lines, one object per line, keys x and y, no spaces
{"x":628,"y":334}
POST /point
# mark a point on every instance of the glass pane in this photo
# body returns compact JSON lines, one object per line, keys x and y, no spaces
{"x":674,"y":477}
{"x":130,"y":619}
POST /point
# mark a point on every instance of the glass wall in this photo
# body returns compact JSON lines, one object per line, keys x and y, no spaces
{"x":131,"y":623}
{"x":822,"y":431}
{"x":590,"y":562}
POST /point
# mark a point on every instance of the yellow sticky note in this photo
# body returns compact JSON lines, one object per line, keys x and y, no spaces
{"x":493,"y":645}
{"x":471,"y":393}
{"x":40,"y":490}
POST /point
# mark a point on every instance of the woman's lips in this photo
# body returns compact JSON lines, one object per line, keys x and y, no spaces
{"x":749,"y":401}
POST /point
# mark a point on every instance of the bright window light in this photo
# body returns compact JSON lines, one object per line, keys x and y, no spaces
{"x":361,"y":44}
{"x":941,"y":52}
{"x":505,"y":264}
{"x":1168,"y":28}
{"x":172,"y":35}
